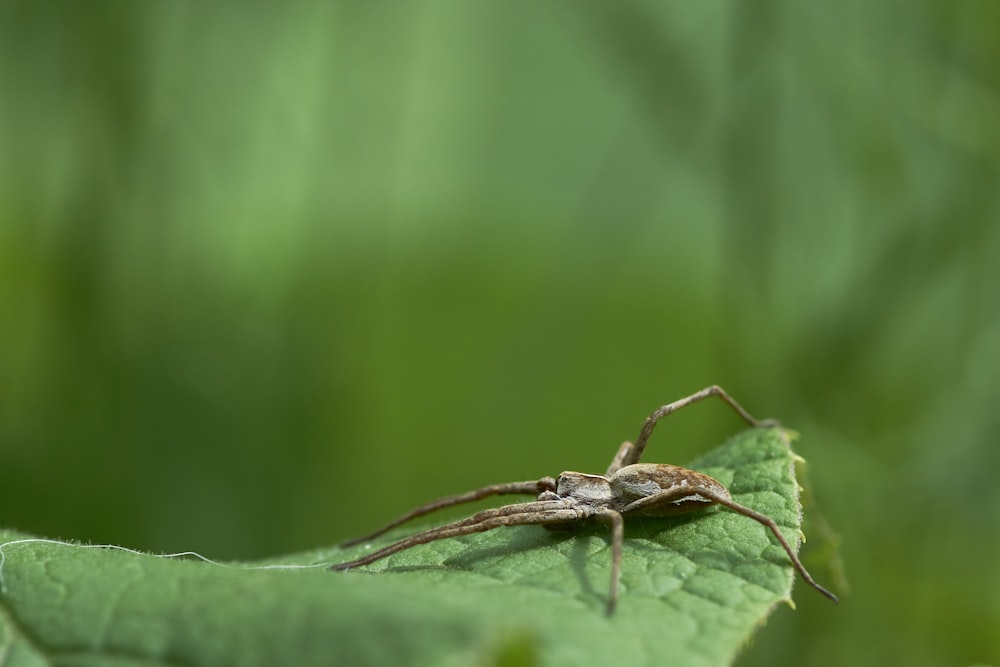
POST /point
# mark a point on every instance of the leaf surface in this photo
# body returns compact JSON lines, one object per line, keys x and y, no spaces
{"x":693,"y":590}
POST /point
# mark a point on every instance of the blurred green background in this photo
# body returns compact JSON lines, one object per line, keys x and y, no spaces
{"x":271,"y":273}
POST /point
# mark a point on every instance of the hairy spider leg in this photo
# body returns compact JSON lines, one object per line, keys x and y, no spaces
{"x":617,"y":463}
{"x":537,"y":512}
{"x":615,"y":522}
{"x":629,"y":454}
{"x":513,"y":488}
{"x":681,"y":492}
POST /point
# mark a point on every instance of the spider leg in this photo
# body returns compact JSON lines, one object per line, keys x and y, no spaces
{"x":526,"y":488}
{"x":667,"y":496}
{"x":624,"y":451}
{"x":537,"y":512}
{"x":769,"y":522}
{"x":681,"y":492}
{"x":614,"y":521}
{"x":647,"y":428}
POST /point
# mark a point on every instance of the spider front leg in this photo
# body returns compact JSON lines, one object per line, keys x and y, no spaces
{"x":513,"y":488}
{"x":532,"y":513}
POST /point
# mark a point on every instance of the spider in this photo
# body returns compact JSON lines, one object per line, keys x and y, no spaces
{"x":628,"y":487}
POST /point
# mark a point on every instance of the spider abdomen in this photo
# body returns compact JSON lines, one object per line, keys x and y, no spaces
{"x":642,"y":480}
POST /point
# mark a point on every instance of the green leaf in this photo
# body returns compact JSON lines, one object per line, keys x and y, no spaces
{"x":694,"y":588}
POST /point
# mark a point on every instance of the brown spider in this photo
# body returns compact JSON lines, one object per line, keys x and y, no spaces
{"x":628,"y":487}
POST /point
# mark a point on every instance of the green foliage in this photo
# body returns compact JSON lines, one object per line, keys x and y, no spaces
{"x":694,"y":589}
{"x":250,"y":252}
